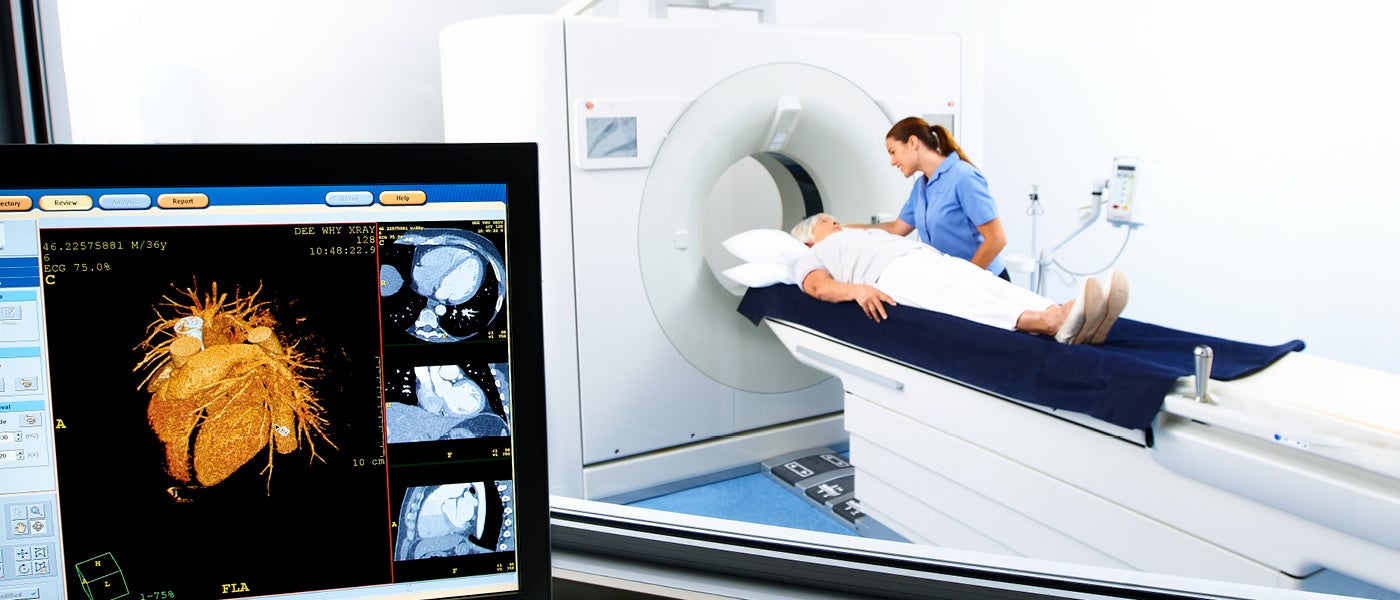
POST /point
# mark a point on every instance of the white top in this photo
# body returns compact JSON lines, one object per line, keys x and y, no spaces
{"x":1345,"y":412}
{"x":853,"y":255}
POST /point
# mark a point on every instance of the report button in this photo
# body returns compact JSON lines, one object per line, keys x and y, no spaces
{"x":182,"y":201}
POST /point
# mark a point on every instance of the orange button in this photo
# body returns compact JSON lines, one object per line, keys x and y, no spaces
{"x":75,"y":202}
{"x":182,"y":201}
{"x":402,"y":198}
{"x":15,"y":203}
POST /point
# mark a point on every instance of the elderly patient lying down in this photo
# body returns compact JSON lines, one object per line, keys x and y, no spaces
{"x":875,"y":268}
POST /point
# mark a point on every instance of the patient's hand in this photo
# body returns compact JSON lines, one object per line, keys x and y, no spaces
{"x":872,"y":301}
{"x":822,"y":286}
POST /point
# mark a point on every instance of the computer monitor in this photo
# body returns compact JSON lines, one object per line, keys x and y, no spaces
{"x":235,"y":371}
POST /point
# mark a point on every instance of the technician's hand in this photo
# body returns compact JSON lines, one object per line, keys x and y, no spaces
{"x":872,"y":301}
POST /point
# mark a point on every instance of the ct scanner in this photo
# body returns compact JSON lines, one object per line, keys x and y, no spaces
{"x":655,"y":380}
{"x":644,"y":348}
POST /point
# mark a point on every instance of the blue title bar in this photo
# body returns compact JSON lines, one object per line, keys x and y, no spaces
{"x":327,"y":195}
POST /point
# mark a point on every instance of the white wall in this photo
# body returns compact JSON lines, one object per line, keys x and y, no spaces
{"x":1270,"y":125}
{"x":254,"y":70}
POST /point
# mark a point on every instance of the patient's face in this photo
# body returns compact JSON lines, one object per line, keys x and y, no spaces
{"x":825,"y":226}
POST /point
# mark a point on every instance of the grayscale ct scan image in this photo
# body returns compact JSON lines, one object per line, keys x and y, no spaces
{"x":455,"y":519}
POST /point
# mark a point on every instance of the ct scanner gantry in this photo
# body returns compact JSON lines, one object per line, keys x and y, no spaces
{"x":658,"y":140}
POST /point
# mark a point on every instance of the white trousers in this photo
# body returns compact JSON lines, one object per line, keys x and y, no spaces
{"x":928,"y":279}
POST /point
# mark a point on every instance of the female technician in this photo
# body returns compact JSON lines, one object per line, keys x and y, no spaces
{"x":949,"y":205}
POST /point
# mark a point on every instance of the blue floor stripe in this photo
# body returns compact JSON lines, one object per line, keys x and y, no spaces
{"x":752,"y":499}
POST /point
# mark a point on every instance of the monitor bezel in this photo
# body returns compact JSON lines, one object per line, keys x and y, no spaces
{"x":68,"y":166}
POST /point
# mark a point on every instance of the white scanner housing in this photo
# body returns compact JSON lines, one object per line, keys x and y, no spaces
{"x":650,"y":133}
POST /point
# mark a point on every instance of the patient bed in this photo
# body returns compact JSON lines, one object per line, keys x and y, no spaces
{"x":967,"y":436}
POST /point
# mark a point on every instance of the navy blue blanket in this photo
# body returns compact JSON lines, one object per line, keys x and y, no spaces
{"x":1123,"y":381}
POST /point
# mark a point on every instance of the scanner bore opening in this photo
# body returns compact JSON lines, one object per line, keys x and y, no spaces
{"x":838,"y":142}
{"x":766,"y":190}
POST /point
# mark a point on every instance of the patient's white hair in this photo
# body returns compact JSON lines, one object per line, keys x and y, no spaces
{"x":803,"y":230}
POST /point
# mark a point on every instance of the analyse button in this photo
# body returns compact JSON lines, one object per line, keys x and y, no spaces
{"x":124,"y":201}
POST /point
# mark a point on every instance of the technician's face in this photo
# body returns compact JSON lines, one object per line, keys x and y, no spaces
{"x":825,"y":226}
{"x":902,"y":155}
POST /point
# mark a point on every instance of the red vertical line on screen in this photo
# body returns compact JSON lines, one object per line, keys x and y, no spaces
{"x":383,"y":417}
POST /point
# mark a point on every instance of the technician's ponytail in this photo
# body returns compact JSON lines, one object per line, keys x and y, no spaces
{"x":947,"y":145}
{"x":936,"y":137}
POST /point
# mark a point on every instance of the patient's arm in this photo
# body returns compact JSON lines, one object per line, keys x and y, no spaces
{"x":822,"y":286}
{"x":896,"y":227}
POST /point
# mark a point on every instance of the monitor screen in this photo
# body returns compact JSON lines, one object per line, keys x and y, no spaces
{"x":235,"y":371}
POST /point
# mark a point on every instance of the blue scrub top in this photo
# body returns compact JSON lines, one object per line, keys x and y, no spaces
{"x":947,"y":209}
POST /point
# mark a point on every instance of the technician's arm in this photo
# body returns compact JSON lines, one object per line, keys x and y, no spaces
{"x":897,"y":227}
{"x":822,"y":286}
{"x":993,"y":240}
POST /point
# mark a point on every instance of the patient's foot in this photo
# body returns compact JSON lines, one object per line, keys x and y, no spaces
{"x":1087,"y":309}
{"x":1116,"y":297}
{"x":1095,"y":310}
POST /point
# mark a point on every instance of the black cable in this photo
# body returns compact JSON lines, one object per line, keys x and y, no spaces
{"x":23,"y":103}
{"x":11,"y":118}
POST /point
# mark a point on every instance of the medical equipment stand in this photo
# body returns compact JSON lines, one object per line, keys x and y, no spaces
{"x":1035,"y":211}
{"x":1125,"y":191}
{"x":1045,"y":257}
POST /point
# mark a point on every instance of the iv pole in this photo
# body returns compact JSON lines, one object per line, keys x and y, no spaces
{"x":1035,"y":211}
{"x":1046,"y":257}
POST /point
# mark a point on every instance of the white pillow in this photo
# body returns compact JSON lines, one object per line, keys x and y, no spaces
{"x":760,"y":274}
{"x":765,"y":246}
